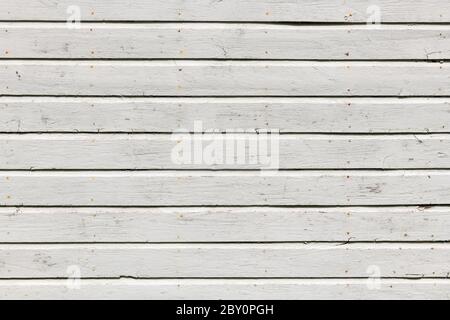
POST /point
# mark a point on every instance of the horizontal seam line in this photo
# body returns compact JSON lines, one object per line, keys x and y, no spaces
{"x":418,"y":277}
{"x":437,"y":60}
{"x":427,"y":99}
{"x":297,"y":133}
{"x":325,"y":61}
{"x":220,"y":170}
{"x":337,"y":243}
{"x":426,"y":207}
{"x":251,"y":21}
{"x":420,"y":205}
{"x":225,"y":96}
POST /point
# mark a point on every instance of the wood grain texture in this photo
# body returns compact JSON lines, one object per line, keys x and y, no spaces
{"x":180,"y":151}
{"x":289,"y":115}
{"x":120,"y":206}
{"x":229,"y":188}
{"x":64,"y":225}
{"x":227,"y":289}
{"x":224,"y":78}
{"x":236,"y":10}
{"x":207,"y":260}
{"x":224,"y":289}
{"x":222,"y":41}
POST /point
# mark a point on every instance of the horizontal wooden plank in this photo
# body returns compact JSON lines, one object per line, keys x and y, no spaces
{"x":289,"y":115}
{"x":258,"y":289}
{"x":250,"y":151}
{"x":196,"y":188}
{"x":223,"y":78}
{"x":222,"y":41}
{"x":243,"y":260}
{"x":236,"y":10}
{"x":46,"y":225}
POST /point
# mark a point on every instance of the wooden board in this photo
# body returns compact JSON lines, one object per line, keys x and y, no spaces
{"x":223,"y":78}
{"x":235,"y":10}
{"x":193,"y":151}
{"x":65,"y":225}
{"x":289,"y":115}
{"x":229,"y":188}
{"x":243,"y":260}
{"x":222,"y":41}
{"x":248,"y":289}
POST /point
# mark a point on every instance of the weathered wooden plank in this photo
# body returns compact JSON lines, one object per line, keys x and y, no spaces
{"x":207,"y":260}
{"x":222,"y":41}
{"x":196,"y":188}
{"x":46,"y":225}
{"x":289,"y":115}
{"x":250,"y":151}
{"x":236,"y":10}
{"x":224,"y":78}
{"x":225,"y":289}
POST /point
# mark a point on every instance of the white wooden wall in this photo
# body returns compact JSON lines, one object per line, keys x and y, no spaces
{"x":360,"y":208}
